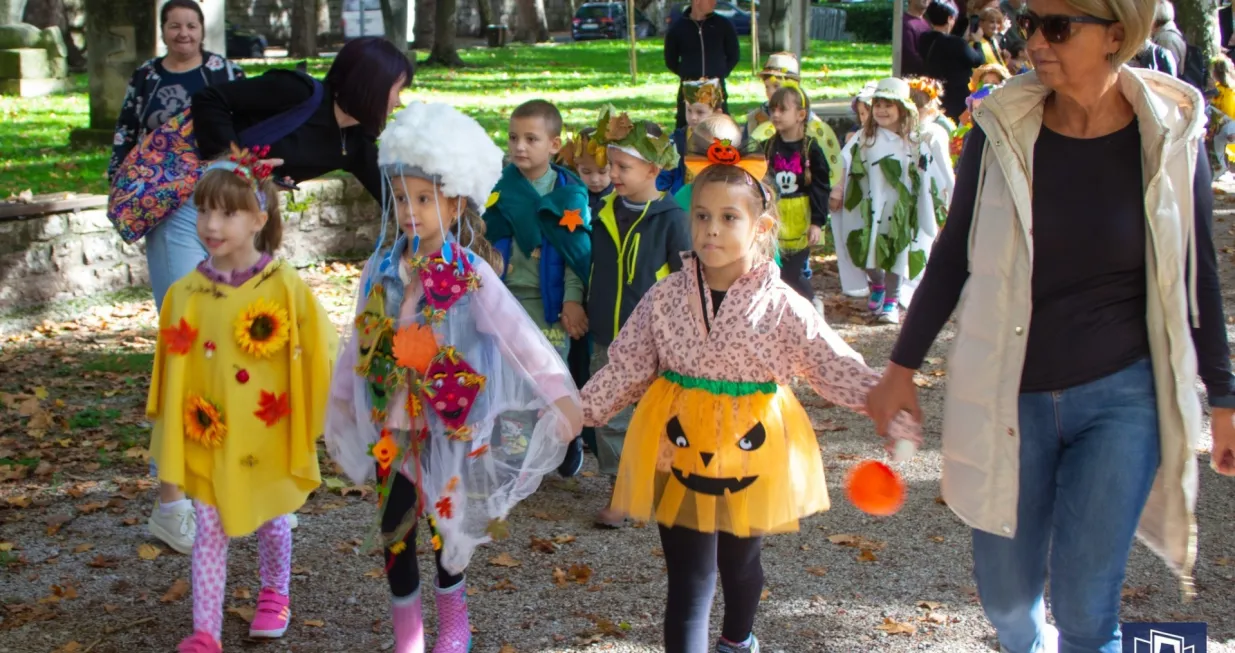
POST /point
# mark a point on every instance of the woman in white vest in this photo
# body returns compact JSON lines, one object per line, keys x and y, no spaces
{"x":1080,"y":236}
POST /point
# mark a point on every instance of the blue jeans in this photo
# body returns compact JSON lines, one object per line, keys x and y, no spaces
{"x":1088,"y":456}
{"x":173,"y":250}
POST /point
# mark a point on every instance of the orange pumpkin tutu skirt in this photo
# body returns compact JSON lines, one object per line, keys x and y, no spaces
{"x":720,"y":456}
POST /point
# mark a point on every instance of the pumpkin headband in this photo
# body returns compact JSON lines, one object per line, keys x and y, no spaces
{"x":247,"y":164}
{"x":723,"y":153}
{"x":705,"y":91}
{"x":618,"y":131}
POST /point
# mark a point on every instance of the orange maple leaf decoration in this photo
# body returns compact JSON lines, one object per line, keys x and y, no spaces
{"x":572,"y":219}
{"x":415,"y":347}
{"x":445,"y":507}
{"x":273,"y":408}
{"x":179,"y":338}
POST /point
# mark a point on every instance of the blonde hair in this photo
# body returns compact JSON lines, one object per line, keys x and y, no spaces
{"x":719,"y":126}
{"x":1136,"y":16}
{"x":471,"y":223}
{"x":221,"y":189}
{"x":762,"y":199}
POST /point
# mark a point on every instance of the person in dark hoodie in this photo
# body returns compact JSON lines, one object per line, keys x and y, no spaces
{"x":699,"y":45}
{"x":949,"y":58}
{"x":637,"y":240}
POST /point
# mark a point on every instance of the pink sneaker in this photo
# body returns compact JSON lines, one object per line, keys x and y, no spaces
{"x":200,"y":642}
{"x":272,"y":616}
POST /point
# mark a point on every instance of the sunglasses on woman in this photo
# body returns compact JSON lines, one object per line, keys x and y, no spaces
{"x":1056,"y":28}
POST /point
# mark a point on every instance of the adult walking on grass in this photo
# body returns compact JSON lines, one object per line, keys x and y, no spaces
{"x":700,"y":45}
{"x":1071,"y":422}
{"x":312,"y":128}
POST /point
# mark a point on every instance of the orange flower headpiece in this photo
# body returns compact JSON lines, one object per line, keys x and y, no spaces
{"x":927,"y":86}
{"x":723,"y":153}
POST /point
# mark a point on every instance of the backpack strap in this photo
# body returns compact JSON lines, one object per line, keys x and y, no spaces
{"x":276,"y":127}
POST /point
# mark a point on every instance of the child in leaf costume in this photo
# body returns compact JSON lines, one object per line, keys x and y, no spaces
{"x":894,"y":200}
{"x":719,"y":451}
{"x":446,"y":389}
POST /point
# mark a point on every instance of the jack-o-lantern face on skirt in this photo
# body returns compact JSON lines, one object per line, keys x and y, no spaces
{"x":693,"y":468}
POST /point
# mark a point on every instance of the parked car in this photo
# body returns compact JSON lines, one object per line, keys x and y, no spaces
{"x":362,"y":18}
{"x":737,"y":15}
{"x":607,"y":20}
{"x":244,"y":44}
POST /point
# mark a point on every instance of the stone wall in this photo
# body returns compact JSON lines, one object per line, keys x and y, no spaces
{"x":59,"y":256}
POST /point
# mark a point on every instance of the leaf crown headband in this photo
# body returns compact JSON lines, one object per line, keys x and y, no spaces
{"x":723,"y":153}
{"x":247,"y":164}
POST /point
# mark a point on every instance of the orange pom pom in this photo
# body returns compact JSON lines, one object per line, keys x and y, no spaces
{"x":875,"y":489}
{"x":415,"y":347}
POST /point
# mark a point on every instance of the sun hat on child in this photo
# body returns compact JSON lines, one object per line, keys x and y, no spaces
{"x":895,"y":89}
{"x":866,"y":94}
{"x":781,"y":64}
{"x":437,"y":142}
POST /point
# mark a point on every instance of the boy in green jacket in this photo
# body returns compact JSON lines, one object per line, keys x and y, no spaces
{"x":538,"y":218}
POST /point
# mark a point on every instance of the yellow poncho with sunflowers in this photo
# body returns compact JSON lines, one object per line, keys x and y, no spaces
{"x":238,"y":394}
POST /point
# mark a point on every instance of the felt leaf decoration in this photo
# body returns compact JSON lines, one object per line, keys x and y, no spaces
{"x":415,"y":347}
{"x":179,"y":338}
{"x":273,"y":408}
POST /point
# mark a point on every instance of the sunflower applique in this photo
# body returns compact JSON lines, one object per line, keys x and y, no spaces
{"x":262,"y":329}
{"x":203,"y":422}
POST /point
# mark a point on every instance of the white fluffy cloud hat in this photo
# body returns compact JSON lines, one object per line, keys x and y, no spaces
{"x":437,"y":141}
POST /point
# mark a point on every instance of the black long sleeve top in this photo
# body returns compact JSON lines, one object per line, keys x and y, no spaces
{"x":319,"y":146}
{"x":701,"y":48}
{"x":1089,"y":270}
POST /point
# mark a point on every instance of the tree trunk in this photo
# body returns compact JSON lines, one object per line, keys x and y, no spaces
{"x":486,"y":15}
{"x":48,"y":13}
{"x":394,"y":19}
{"x":1198,"y":20}
{"x":444,"y":52}
{"x":533,"y":25}
{"x":774,"y":25}
{"x":426,"y":10}
{"x":304,"y":29}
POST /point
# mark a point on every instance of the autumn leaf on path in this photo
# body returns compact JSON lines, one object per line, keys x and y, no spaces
{"x":507,"y":648}
{"x":503,"y":585}
{"x":866,"y":555}
{"x":176,"y":591}
{"x":893,"y":627}
{"x":559,"y":577}
{"x":563,"y":539}
{"x":543,"y":545}
{"x":817,"y":571}
{"x":71,"y":647}
{"x":580,"y":572}
{"x":242,"y":593}
{"x":314,"y":623}
{"x":930,"y":605}
{"x":148,"y":551}
{"x":856,"y":541}
{"x":244,"y":612}
{"x":82,"y":548}
{"x":504,"y":559}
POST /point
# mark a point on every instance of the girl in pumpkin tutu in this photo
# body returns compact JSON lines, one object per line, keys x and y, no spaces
{"x":240,"y":374}
{"x":446,"y":389}
{"x":719,"y":451}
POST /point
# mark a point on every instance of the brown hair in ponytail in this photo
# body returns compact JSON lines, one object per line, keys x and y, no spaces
{"x":798,"y":100}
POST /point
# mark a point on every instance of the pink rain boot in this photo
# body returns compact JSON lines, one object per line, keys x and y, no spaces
{"x":454,"y":632}
{"x":409,"y":624}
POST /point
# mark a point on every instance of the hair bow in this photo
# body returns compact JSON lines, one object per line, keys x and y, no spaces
{"x":723,"y":153}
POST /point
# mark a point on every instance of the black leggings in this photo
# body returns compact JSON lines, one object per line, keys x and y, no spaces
{"x":792,"y":266}
{"x":692,"y":559}
{"x":402,"y":572}
{"x":579,"y":360}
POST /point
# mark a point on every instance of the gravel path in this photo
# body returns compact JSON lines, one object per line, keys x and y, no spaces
{"x":558,"y":585}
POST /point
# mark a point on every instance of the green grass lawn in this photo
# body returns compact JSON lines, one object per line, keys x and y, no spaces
{"x":578,"y":77}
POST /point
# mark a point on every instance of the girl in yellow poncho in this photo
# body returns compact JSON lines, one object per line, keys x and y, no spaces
{"x":238,"y":393}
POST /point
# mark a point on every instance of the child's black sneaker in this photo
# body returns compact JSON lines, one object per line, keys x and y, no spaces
{"x":573,"y":462}
{"x":750,"y":646}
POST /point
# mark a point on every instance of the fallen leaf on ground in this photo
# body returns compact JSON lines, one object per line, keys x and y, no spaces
{"x":176,"y":591}
{"x":6,"y":546}
{"x":507,"y":648}
{"x":82,"y":548}
{"x":148,"y":551}
{"x":110,"y":608}
{"x":893,"y":627}
{"x":71,"y":647}
{"x":866,"y":555}
{"x":375,"y":573}
{"x":559,"y":577}
{"x":817,"y":571}
{"x":763,"y":596}
{"x":930,"y":605}
{"x":242,"y":593}
{"x":504,"y":559}
{"x":856,"y":541}
{"x":935,"y":618}
{"x":580,"y":572}
{"x":245,"y":612}
{"x":543,"y":545}
{"x":563,"y":539}
{"x":314,"y":623}
{"x":103,"y":562}
{"x":546,"y":516}
{"x":503,"y":584}
{"x":19,"y":501}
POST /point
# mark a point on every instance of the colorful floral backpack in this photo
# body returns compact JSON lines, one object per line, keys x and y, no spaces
{"x":159,"y":174}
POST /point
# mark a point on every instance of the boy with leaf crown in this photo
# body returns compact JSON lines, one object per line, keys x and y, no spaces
{"x":637,"y":240}
{"x":782,"y":69}
{"x":538,"y":219}
{"x":701,"y":100}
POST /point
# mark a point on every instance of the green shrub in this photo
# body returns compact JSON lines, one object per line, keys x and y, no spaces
{"x":869,"y":22}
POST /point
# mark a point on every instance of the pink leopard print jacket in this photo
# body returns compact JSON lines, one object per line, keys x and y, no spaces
{"x":763,"y":332}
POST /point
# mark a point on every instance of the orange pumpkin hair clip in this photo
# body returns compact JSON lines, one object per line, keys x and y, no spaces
{"x":723,"y":153}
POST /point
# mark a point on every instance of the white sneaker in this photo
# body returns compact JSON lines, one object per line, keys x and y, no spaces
{"x":177,"y":529}
{"x":890,"y":314}
{"x":865,"y":292}
{"x":292,"y":520}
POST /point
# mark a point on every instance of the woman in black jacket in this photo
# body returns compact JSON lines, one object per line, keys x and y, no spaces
{"x":701,"y":47}
{"x":949,"y":59}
